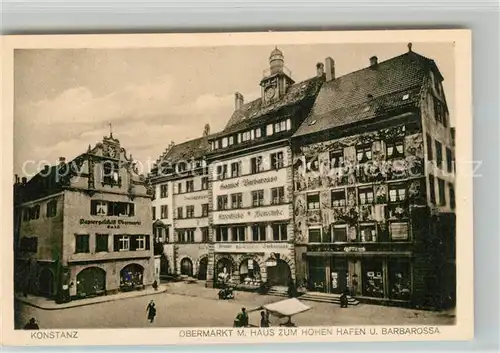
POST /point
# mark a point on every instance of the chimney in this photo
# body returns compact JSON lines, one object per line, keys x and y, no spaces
{"x":24,"y":180}
{"x":320,"y":69}
{"x":62,"y":160}
{"x":329,"y":69}
{"x":373,"y":61}
{"x":238,"y":101}
{"x":17,"y":179}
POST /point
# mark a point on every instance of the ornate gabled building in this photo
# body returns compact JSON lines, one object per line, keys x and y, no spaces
{"x":84,"y":227}
{"x":374,"y":184}
{"x":180,"y":208}
{"x":251,"y":239}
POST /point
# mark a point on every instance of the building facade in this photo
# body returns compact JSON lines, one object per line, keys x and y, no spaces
{"x":251,"y":228}
{"x":373,"y":185}
{"x":85,"y":227}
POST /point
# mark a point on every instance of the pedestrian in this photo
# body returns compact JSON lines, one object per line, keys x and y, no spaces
{"x":151,"y":312}
{"x":31,"y":325}
{"x":155,"y":285}
{"x":343,"y":300}
{"x":242,"y":318}
{"x":264,"y":319}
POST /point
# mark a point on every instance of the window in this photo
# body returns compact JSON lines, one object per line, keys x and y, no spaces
{"x":153,"y":209}
{"x":279,"y":232}
{"x":452,"y":195}
{"x":181,"y":167}
{"x":189,"y":211}
{"x":432,"y":189}
{"x":312,"y":163}
{"x":258,"y":133}
{"x":238,"y":233}
{"x":399,"y":279}
{"x":442,"y":192}
{"x":278,"y":195}
{"x":439,"y":154}
{"x":204,"y":183}
{"x":140,"y":242}
{"x":189,"y":236}
{"x":237,"y":200}
{"x":395,"y":149}
{"x":35,"y":212}
{"x":368,"y":233}
{"x":364,"y":153}
{"x":221,"y":234}
{"x":189,"y":186}
{"x":336,"y":159}
{"x":277,"y":160}
{"x":204,"y":235}
{"x":164,"y":211}
{"x":256,"y":164}
{"x":269,"y":130}
{"x":288,"y":124}
{"x":246,"y":136}
{"x":257,"y":198}
{"x":366,"y":196}
{"x":26,"y":214}
{"x":399,"y":230}
{"x":235,"y":169}
{"x":98,"y":208}
{"x":164,"y":191}
{"x":101,"y":243}
{"x":239,"y":137}
{"x":259,"y":232}
{"x":231,"y":140}
{"x":314,"y":235}
{"x":52,"y":208}
{"x":215,"y":144}
{"x":28,"y":244}
{"x":338,"y":198}
{"x":429,"y":147}
{"x":221,"y":171}
{"x":82,"y":243}
{"x":449,"y":160}
{"x":439,"y":111}
{"x":110,"y":173}
{"x":340,"y":234}
{"x":179,"y":188}
{"x":222,"y":202}
{"x":120,"y":209}
{"x":313,"y":202}
{"x":397,"y":193}
{"x":204,"y":210}
{"x":179,"y":212}
{"x":224,"y":142}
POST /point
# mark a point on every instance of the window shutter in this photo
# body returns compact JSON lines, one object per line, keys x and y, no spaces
{"x":133,"y":242}
{"x":131,"y":209}
{"x":111,"y":206}
{"x":116,"y":243}
{"x":148,"y":241}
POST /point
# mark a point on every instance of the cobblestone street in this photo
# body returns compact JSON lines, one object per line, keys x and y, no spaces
{"x":192,"y":305}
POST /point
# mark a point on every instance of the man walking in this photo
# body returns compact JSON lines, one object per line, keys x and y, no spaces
{"x":151,"y":309}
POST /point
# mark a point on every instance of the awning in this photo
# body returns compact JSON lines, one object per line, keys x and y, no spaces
{"x":286,"y":307}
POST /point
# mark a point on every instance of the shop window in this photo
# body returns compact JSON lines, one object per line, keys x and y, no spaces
{"x":204,"y":183}
{"x":179,"y":213}
{"x":439,"y":154}
{"x":336,"y":159}
{"x":442,"y":192}
{"x":189,"y":186}
{"x":52,"y":208}
{"x":238,"y":233}
{"x":317,"y":275}
{"x":204,"y":235}
{"x":399,"y":231}
{"x":279,"y":232}
{"x":277,"y":160}
{"x":235,"y":169}
{"x":164,"y":211}
{"x":222,"y":202}
{"x":221,"y":234}
{"x":368,"y":233}
{"x":190,"y":211}
{"x":278,"y":195}
{"x":164,"y":191}
{"x":373,"y":281}
{"x":258,"y":198}
{"x":452,"y":195}
{"x":256,"y":165}
{"x":339,"y":234}
{"x":429,"y":147}
{"x":82,"y":243}
{"x":237,"y":200}
{"x":250,"y":273}
{"x":338,"y":198}
{"x":204,"y":210}
{"x":364,"y":153}
{"x":399,"y":279}
{"x":259,"y":232}
{"x":366,"y":196}
{"x":101,"y":243}
{"x":432,"y":189}
{"x":395,"y":149}
{"x":315,"y":235}
{"x":313,"y":201}
{"x":397,"y":193}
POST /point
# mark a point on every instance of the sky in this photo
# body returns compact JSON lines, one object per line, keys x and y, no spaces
{"x":66,"y":99}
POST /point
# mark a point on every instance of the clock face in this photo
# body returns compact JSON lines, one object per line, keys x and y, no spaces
{"x":270,"y":92}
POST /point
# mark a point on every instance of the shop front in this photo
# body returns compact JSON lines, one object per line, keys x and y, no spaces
{"x":360,"y":272}
{"x":131,"y":277}
{"x":90,"y":282}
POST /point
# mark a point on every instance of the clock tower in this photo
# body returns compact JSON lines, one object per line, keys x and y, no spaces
{"x":276,"y":79}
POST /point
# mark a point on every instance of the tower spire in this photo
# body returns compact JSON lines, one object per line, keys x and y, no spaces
{"x":110,"y":130}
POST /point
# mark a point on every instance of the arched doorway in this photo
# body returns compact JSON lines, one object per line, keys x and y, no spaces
{"x":223,"y":271}
{"x":202,"y":269}
{"x":131,"y":277}
{"x":279,"y":275}
{"x":250,"y":272}
{"x":164,"y":265}
{"x":46,"y":283}
{"x":90,"y":281}
{"x":186,"y":267}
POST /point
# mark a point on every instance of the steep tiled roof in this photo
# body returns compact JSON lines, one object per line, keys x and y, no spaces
{"x":195,"y":148}
{"x":254,"y":112}
{"x":365,"y":94}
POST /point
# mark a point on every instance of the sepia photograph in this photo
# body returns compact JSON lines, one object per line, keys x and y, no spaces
{"x":251,"y":189}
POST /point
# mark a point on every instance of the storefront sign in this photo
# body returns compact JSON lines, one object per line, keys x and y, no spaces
{"x":195,"y":197}
{"x":264,"y":214}
{"x":361,"y":248}
{"x":250,"y":247}
{"x":354,"y":249}
{"x":252,"y":182}
{"x":109,"y":223}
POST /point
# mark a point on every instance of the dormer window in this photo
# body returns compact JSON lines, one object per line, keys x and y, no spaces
{"x":364,"y":154}
{"x":224,"y":142}
{"x":181,"y":167}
